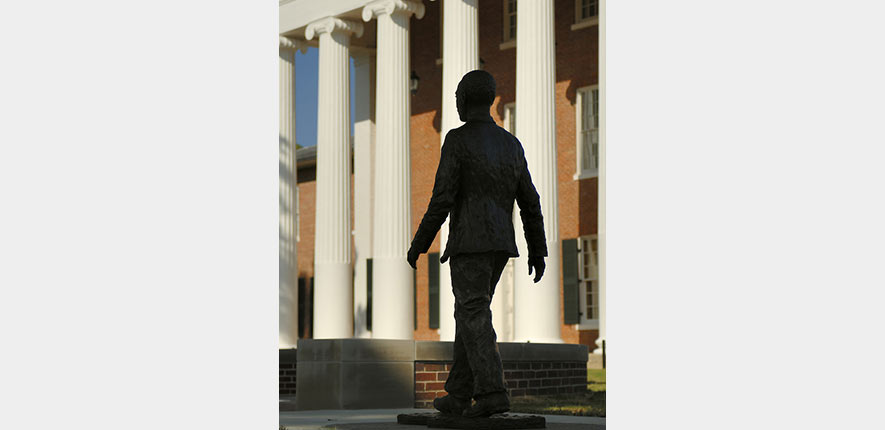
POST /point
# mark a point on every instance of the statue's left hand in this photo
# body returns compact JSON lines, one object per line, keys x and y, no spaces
{"x":412,"y":257}
{"x":537,"y":263}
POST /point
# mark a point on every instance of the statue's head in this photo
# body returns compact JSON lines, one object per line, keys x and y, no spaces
{"x":476,"y":91}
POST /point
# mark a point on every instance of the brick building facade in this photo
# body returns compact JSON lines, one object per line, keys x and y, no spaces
{"x":576,"y":55}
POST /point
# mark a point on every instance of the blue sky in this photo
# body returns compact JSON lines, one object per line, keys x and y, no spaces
{"x":306,"y":73}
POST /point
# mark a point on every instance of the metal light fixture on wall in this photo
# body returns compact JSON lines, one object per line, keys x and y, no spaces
{"x":413,"y":82}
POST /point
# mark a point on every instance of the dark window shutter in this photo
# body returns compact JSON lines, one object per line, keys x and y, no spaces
{"x":302,"y":305}
{"x":308,"y":317}
{"x":415,"y":300}
{"x":433,"y":289}
{"x":369,"y":294}
{"x":570,"y":290}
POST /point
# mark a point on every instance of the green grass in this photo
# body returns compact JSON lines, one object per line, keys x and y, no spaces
{"x":596,"y":380}
{"x":591,"y":403}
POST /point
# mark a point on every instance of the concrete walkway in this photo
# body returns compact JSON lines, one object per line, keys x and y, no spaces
{"x":384,"y":419}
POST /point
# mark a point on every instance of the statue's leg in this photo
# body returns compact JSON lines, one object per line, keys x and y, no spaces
{"x":499,"y":264}
{"x":472,"y":276}
{"x":460,"y":380}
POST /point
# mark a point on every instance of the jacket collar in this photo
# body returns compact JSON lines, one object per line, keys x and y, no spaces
{"x":479,"y":115}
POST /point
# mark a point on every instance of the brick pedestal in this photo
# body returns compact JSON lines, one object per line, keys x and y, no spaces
{"x":288,"y":372}
{"x":377,"y":373}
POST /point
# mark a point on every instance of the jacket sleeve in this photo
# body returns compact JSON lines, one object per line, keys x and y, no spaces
{"x":530,"y":211}
{"x":445,"y":189}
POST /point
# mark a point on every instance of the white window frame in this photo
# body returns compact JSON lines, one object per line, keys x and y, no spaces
{"x":580,"y":172}
{"x":588,"y":281}
{"x":586,"y":22}
{"x":509,"y":117}
{"x":507,"y":41}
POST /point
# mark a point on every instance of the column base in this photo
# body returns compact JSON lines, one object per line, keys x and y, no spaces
{"x":536,"y":316}
{"x":392,"y":298}
{"x":333,"y":292}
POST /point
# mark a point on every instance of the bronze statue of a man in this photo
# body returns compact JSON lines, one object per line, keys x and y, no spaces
{"x":482,"y":170}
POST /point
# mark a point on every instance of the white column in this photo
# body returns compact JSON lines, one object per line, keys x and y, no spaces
{"x":600,"y":226}
{"x":288,"y":286}
{"x":537,"y":317}
{"x":460,"y":35}
{"x":363,"y":178}
{"x":392,"y":285}
{"x":333,"y":296}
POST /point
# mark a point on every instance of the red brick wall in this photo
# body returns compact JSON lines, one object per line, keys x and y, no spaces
{"x":430,"y":378}
{"x":425,"y":142}
{"x":542,"y":378}
{"x":307,"y":220}
{"x":576,"y":66}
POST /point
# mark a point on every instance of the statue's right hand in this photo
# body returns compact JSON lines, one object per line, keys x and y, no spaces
{"x":537,"y":263}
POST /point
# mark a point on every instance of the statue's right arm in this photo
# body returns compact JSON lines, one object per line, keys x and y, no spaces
{"x":445,"y":188}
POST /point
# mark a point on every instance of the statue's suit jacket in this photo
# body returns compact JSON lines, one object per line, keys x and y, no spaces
{"x":482,"y":170}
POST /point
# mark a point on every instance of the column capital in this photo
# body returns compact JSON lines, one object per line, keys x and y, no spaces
{"x":289,"y":44}
{"x":379,"y":7}
{"x":331,"y":24}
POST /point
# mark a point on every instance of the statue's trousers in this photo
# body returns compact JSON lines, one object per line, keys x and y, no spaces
{"x":477,"y":370}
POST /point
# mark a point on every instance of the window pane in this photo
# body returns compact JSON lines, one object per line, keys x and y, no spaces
{"x":586,"y":110}
{"x":585,"y":150}
{"x":588,"y":301}
{"x":589,"y":100}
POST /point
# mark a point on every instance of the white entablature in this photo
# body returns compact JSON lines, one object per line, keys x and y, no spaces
{"x":297,"y":14}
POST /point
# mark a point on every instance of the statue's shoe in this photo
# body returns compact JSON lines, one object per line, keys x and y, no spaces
{"x":449,"y":404}
{"x":491,"y":404}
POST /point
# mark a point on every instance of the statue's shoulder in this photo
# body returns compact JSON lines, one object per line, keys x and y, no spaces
{"x":455,"y":132}
{"x":513,"y":140}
